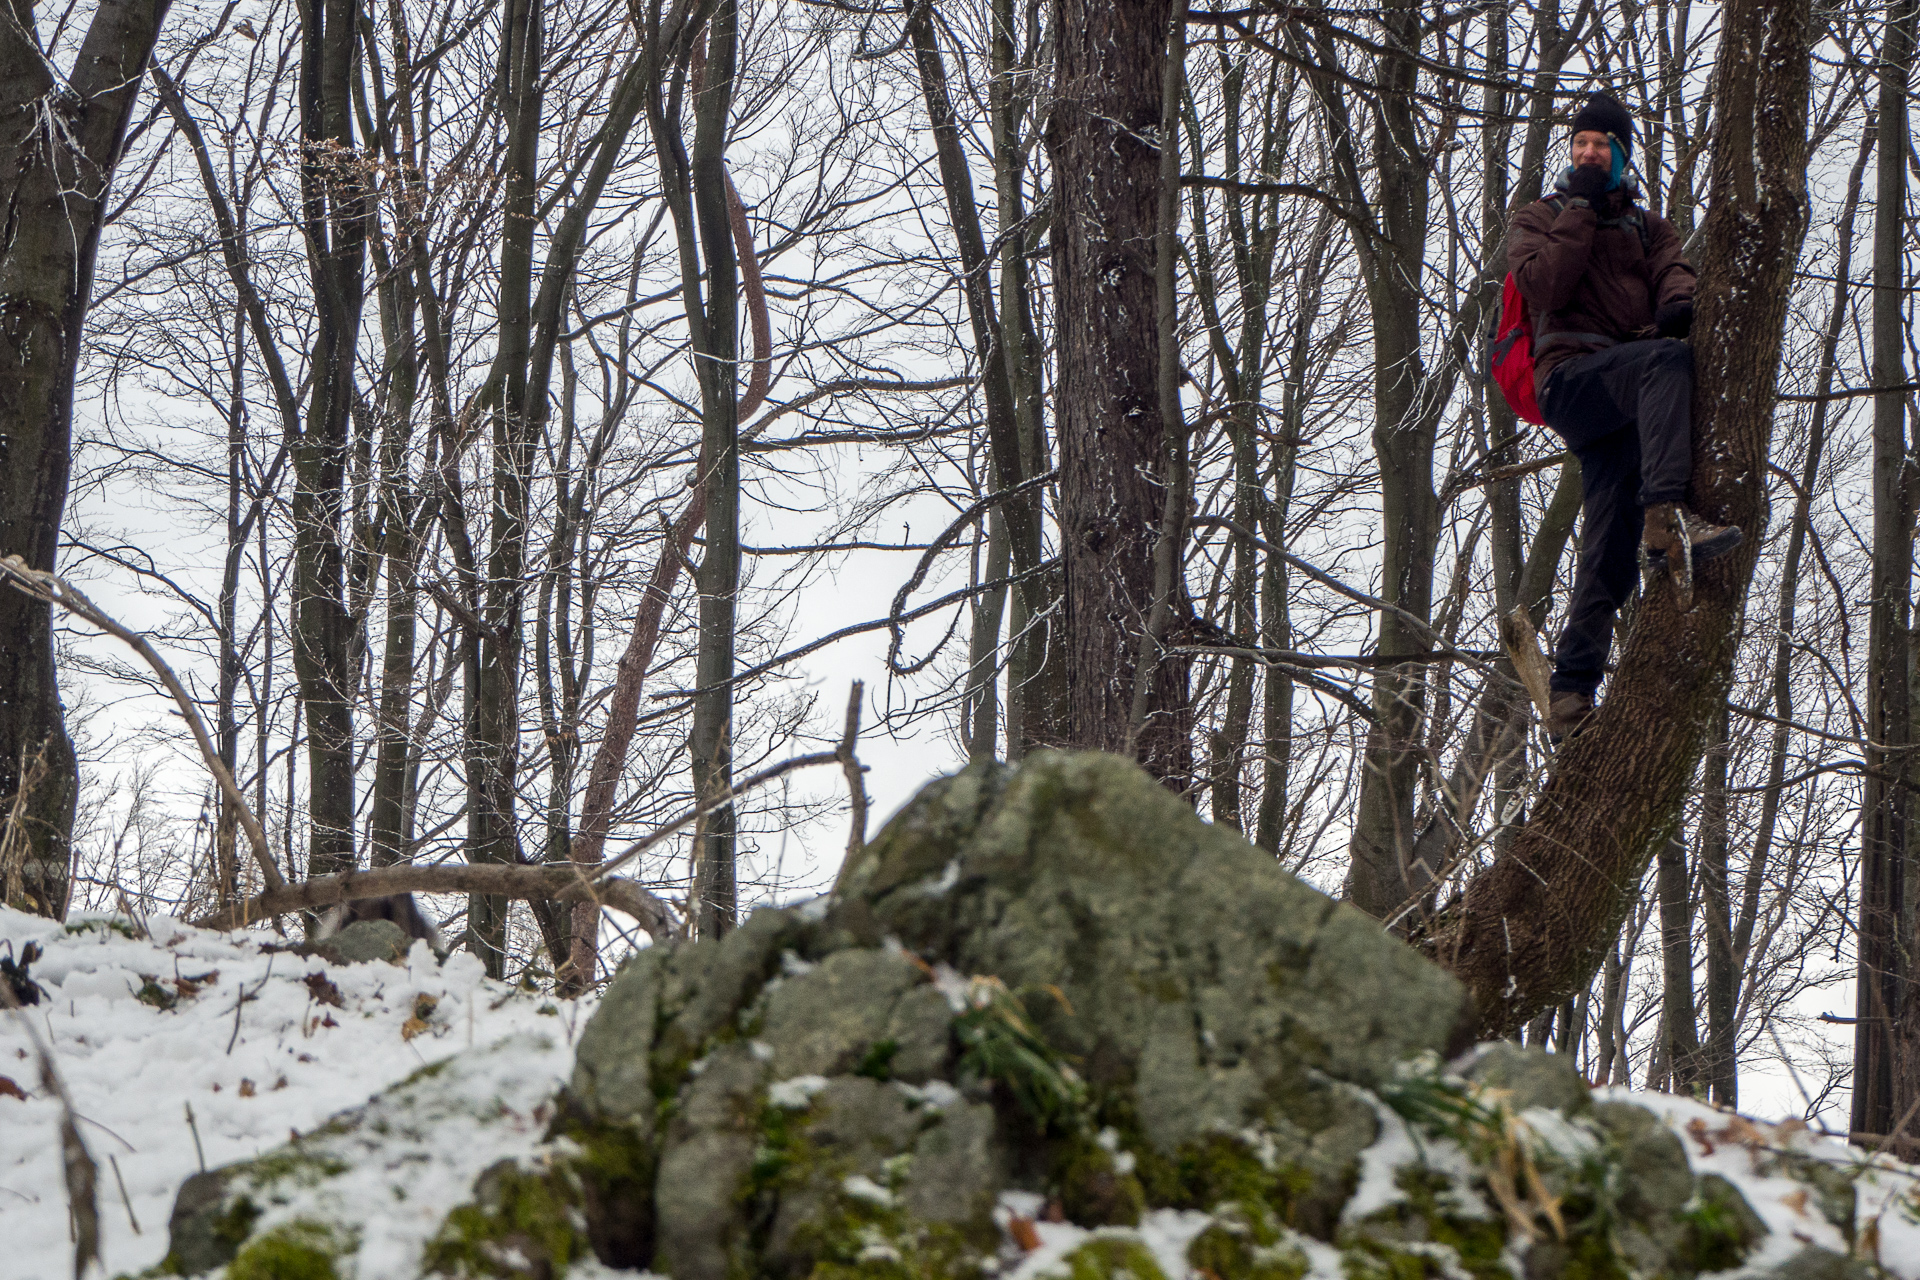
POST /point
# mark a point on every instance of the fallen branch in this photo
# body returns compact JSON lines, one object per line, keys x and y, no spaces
{"x":54,"y":589}
{"x":548,"y":882}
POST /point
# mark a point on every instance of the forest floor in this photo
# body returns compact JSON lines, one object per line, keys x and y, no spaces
{"x":144,"y":1028}
{"x":147,"y":1025}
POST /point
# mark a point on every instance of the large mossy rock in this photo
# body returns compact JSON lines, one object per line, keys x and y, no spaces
{"x":1056,"y":978}
{"x":1054,"y":993}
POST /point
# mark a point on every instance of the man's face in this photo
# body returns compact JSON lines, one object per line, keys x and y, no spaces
{"x":1591,"y":147}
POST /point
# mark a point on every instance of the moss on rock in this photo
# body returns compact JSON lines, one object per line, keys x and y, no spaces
{"x":298,"y":1250}
{"x":1112,"y":1258}
{"x":1244,"y":1242}
{"x":522,"y":1224}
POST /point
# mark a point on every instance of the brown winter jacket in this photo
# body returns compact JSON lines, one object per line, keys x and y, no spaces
{"x":1583,"y":276}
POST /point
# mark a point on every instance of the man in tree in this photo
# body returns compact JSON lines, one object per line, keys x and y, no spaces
{"x":1613,"y":301}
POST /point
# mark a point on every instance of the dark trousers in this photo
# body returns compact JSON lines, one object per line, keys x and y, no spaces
{"x":1626,"y":412}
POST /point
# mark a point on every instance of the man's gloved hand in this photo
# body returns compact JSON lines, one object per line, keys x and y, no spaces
{"x":1675,"y":319}
{"x":1589,"y":182}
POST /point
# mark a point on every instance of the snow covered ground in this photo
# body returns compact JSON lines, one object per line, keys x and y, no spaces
{"x":286,"y":1061}
{"x":256,"y":1045}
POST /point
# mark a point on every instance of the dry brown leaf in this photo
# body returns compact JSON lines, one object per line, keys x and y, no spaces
{"x":413,"y":1027}
{"x":1697,"y":1130}
{"x":1024,"y":1233}
{"x":11,"y":1090}
{"x":246,"y":1088}
{"x":323,"y":990}
{"x":1797,"y":1201}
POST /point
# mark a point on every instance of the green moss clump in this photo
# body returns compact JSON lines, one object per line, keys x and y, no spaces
{"x":1110,"y":1258}
{"x":102,"y":924}
{"x":1219,"y":1168}
{"x":1245,"y":1243}
{"x":294,"y":1163}
{"x":876,"y":1253}
{"x":850,"y":1236}
{"x":1093,"y":1190}
{"x":299,"y":1250}
{"x":877,"y":1063}
{"x":1408,"y":1239}
{"x":612,"y":1168}
{"x":233,"y":1226}
{"x":521,"y":1223}
{"x":152,"y":993}
{"x":1720,"y":1227}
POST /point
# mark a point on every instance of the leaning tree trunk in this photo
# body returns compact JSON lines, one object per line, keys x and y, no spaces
{"x":1109,"y":73}
{"x":1528,"y":932}
{"x":59,"y":144}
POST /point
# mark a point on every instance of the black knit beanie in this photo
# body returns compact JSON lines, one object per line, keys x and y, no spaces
{"x":1604,"y":114}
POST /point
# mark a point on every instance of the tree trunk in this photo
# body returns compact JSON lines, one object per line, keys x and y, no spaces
{"x":335,"y":212}
{"x":1010,"y":95}
{"x":1679,"y":1032}
{"x":1529,"y":931}
{"x":1886,"y":1068}
{"x":492,"y":831}
{"x":1111,"y":58}
{"x":715,"y":894}
{"x":59,"y":145}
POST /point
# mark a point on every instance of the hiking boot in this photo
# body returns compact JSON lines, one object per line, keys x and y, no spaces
{"x":1675,"y":539}
{"x":1568,"y":714}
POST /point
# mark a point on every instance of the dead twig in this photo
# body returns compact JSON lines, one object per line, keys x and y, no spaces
{"x":855,"y":771}
{"x":1522,"y":644}
{"x":122,"y":1184}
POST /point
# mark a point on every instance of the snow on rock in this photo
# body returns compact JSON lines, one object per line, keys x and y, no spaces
{"x":255,"y":1046}
{"x":1762,"y":1160}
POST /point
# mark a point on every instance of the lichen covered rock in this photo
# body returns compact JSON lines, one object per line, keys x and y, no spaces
{"x":1056,"y":978}
{"x":1049,"y":1021}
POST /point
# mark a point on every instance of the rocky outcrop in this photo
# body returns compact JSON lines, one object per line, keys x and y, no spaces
{"x":1051,"y":1021}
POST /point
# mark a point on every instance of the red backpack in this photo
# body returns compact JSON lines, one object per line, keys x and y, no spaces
{"x":1510,"y":354}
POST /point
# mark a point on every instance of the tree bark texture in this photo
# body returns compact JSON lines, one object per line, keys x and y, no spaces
{"x":492,"y":834}
{"x":1679,"y":1030}
{"x":59,"y":144}
{"x":1530,"y":930}
{"x":1887,"y":1036}
{"x":1104,"y":144}
{"x":335,"y":212}
{"x":716,"y":348}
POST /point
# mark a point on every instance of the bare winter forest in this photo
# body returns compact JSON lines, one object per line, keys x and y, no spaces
{"x":483,"y":414}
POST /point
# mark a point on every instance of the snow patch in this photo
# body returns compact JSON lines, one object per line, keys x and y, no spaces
{"x":795,"y":1094}
{"x":284,"y":1063}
